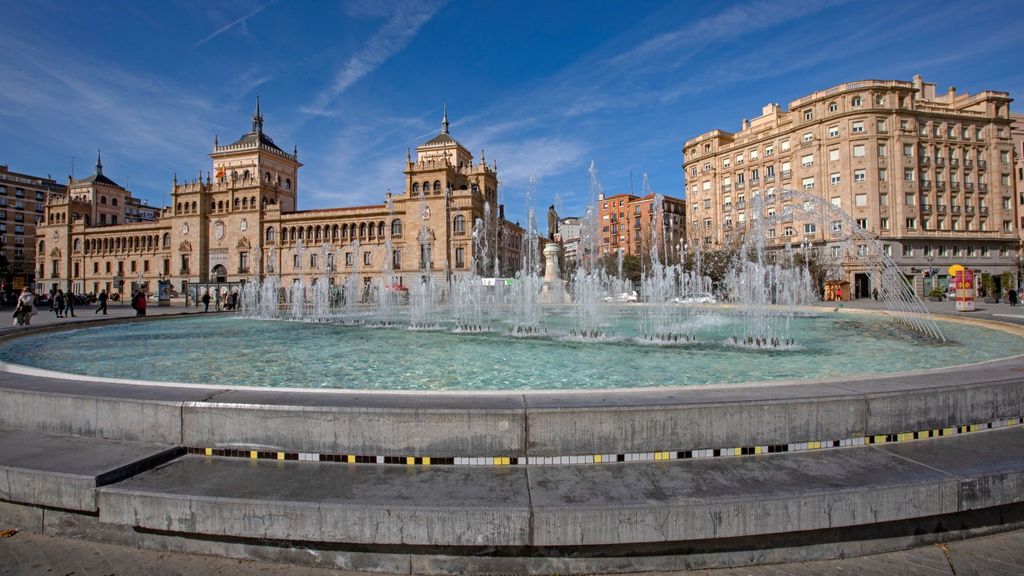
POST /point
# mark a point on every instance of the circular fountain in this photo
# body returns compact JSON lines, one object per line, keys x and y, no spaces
{"x":472,"y":384}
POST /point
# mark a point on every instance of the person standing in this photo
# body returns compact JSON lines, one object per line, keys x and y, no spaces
{"x":69,"y":304}
{"x":206,"y":301}
{"x":103,"y":302}
{"x":218,"y":299}
{"x":1012,"y":297}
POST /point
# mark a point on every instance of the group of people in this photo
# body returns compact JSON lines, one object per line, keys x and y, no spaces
{"x":229,"y":300}
{"x":63,"y":303}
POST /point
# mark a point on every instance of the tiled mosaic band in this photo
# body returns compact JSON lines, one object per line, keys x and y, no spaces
{"x":607,"y":458}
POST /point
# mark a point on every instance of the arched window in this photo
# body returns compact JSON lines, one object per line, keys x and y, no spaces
{"x":415,"y":187}
{"x":344,"y":231}
{"x":270,"y":234}
{"x":362,"y":230}
{"x":113,"y":201}
{"x":245,"y":202}
{"x":42,"y":247}
{"x":245,"y":175}
{"x":167,"y":239}
{"x":78,"y":245}
{"x":179,"y":207}
{"x":236,"y":203}
{"x":856,"y":102}
{"x":832,"y":107}
{"x":292,"y":234}
{"x":334,"y":232}
{"x":317,"y":232}
{"x":220,"y":205}
{"x":437,"y":186}
{"x":459,"y":225}
{"x":426,"y":187}
{"x":396,"y":227}
{"x":370,"y":230}
{"x":287,"y":183}
{"x":252,"y":201}
{"x":193,"y":206}
{"x":266,"y":177}
{"x":103,"y":199}
{"x":213,"y":205}
{"x":309,"y":233}
{"x":380,"y":229}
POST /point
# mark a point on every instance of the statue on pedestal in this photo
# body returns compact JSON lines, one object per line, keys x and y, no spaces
{"x":552,"y":222}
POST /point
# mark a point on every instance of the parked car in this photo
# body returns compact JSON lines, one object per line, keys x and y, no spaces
{"x":624,"y":297}
{"x":696,"y":298}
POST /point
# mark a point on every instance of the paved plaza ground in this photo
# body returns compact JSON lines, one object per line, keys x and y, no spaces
{"x":26,"y":554}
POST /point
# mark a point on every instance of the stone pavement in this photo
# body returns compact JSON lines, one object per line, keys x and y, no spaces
{"x":44,"y":317}
{"x":26,"y":554}
{"x":1001,"y":311}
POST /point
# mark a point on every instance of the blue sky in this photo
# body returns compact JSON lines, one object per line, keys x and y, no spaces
{"x":543,"y":87}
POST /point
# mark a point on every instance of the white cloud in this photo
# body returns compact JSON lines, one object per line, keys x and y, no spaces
{"x":237,"y":22}
{"x":388,"y":40}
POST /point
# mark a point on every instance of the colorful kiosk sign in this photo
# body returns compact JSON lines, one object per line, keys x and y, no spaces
{"x":963,"y":287}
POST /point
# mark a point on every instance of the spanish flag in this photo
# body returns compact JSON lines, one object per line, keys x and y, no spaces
{"x":220,"y":172}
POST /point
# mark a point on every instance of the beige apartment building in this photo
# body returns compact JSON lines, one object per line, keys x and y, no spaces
{"x":241,"y":222}
{"x":1017,"y":132}
{"x":22,"y":203}
{"x":928,"y":174}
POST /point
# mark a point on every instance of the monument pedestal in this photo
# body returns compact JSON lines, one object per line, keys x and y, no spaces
{"x":553,"y":291}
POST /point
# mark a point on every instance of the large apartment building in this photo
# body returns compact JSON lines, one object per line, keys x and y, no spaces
{"x":22,"y":203}
{"x":927,"y":174}
{"x":626,"y":225}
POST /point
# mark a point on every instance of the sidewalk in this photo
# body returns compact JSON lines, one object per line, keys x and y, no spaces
{"x":1001,"y":311}
{"x":44,"y":317}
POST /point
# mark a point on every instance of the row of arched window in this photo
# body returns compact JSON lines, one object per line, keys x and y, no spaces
{"x":113,"y":201}
{"x":246,"y":175}
{"x":334,"y":233}
{"x":219,"y":206}
{"x":123,"y":243}
{"x":426,"y":187}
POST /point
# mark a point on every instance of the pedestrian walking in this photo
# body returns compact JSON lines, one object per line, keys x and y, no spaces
{"x":206,"y":301}
{"x":218,"y":299}
{"x":139,"y":302}
{"x":874,"y":293}
{"x":103,"y":302}
{"x":69,"y":305}
{"x":1012,"y":297}
{"x":26,"y":308}
{"x":58,"y":303}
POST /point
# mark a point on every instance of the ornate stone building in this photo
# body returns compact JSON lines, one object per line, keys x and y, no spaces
{"x":927,"y":174}
{"x":241,"y":222}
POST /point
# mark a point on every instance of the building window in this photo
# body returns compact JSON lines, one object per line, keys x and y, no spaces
{"x":296,"y":262}
{"x":808,"y":183}
{"x":884,"y":223}
{"x":859,"y":175}
{"x":911,"y":223}
{"x":243,"y":262}
{"x":808,"y":115}
{"x":810,"y":228}
{"x":271,"y":234}
{"x":833,"y":131}
{"x":367,"y":258}
{"x":832,"y":107}
{"x":857,"y":101}
{"x":833,"y":155}
{"x":908,"y":250}
{"x":857,"y":127}
{"x":807,"y":160}
{"x":807,"y":137}
{"x":348,"y":259}
{"x":834,"y":178}
{"x":396,"y":259}
{"x":858,"y":151}
{"x":459,"y":225}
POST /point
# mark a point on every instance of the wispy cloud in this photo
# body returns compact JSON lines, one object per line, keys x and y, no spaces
{"x":390,"y":39}
{"x":237,"y":22}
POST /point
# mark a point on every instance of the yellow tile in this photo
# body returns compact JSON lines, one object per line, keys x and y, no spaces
{"x":208,"y":451}
{"x":351,"y":458}
{"x":947,"y":431}
{"x":426,"y":460}
{"x":597,"y":458}
{"x":1012,"y":422}
{"x":880,"y":439}
{"x":975,"y":427}
{"x":757,"y":449}
{"x":813,"y":445}
{"x":280,"y":455}
{"x":410,"y":460}
{"x":253,"y":454}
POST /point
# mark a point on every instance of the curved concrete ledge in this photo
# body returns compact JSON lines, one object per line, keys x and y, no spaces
{"x":526,"y":424}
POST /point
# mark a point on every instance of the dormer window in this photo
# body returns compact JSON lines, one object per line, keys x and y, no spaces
{"x":857,"y":102}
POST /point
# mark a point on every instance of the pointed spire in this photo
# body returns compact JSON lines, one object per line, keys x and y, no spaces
{"x":175,"y":177}
{"x":257,"y":118}
{"x":408,"y":156}
{"x":444,"y":118}
{"x":215,"y":142}
{"x":483,"y":158}
{"x":99,"y":163}
{"x":295,"y":151}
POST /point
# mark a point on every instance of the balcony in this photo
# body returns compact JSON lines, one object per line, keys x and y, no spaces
{"x":726,"y":187}
{"x":955,"y":186}
{"x":983,"y":210}
{"x":940,"y":161}
{"x":969,"y":186}
{"x":969,"y":210}
{"x":925,"y":161}
{"x":769,"y":177}
{"x":968,"y":165}
{"x":769,"y":199}
{"x":740,"y":185}
{"x":940,"y":186}
{"x":741,"y":204}
{"x":954,"y":162}
{"x":942,"y":208}
{"x":982,"y":164}
{"x":956,"y":210}
{"x":926,"y":185}
{"x":926,"y":208}
{"x":184,"y":272}
{"x":983,"y":188}
{"x":243,"y":270}
{"x":787,"y":173}
{"x":727,"y":207}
